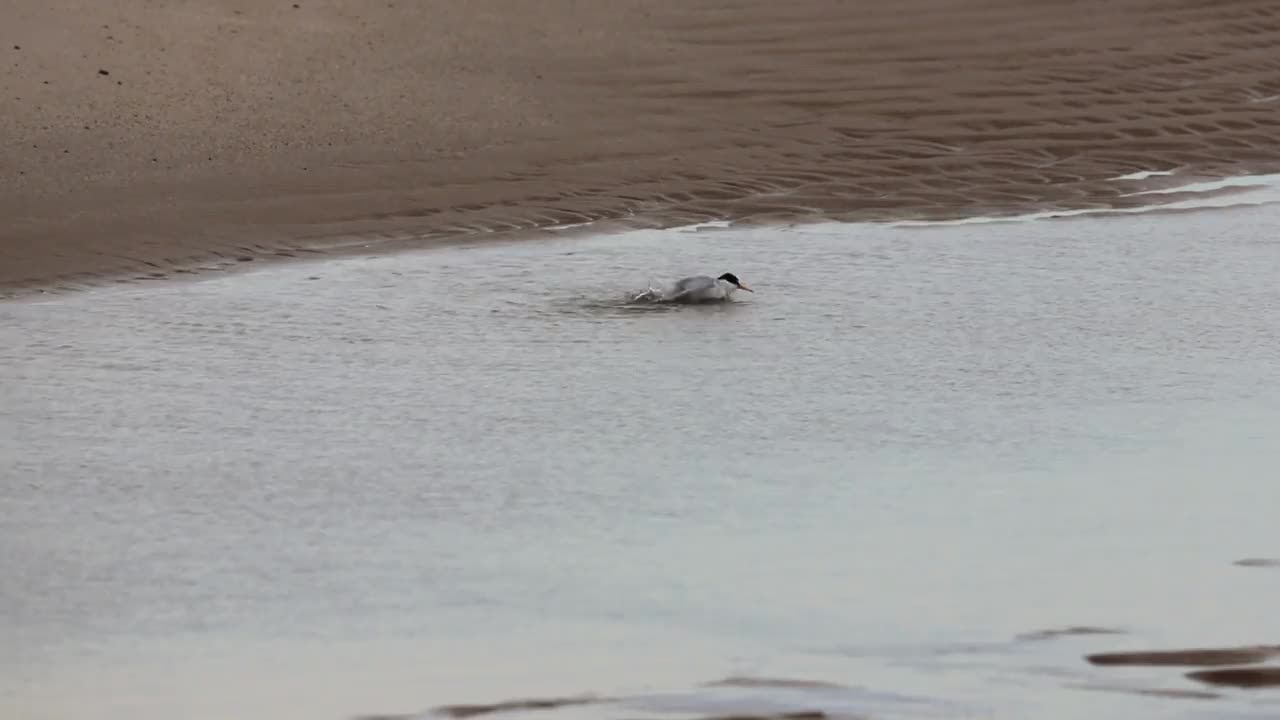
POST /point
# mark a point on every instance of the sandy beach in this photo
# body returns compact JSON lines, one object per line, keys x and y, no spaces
{"x":150,"y":138}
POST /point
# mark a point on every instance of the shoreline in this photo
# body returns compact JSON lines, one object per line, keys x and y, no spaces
{"x":268,"y":143}
{"x":1171,"y":193}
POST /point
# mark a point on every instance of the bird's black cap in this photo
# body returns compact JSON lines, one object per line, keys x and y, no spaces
{"x":729,"y":277}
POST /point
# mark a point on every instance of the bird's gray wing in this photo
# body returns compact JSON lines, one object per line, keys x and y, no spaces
{"x":697,"y":283}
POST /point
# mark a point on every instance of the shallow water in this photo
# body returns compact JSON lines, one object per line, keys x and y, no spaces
{"x":476,"y":473}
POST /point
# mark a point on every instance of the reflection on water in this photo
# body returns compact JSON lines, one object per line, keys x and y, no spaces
{"x":919,"y":473}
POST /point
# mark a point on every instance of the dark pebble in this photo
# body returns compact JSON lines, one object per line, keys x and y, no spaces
{"x":1069,"y":631}
{"x":1259,"y":562}
{"x":467,"y":711}
{"x":103,"y":72}
{"x":1254,"y":677}
{"x":1202,"y":657}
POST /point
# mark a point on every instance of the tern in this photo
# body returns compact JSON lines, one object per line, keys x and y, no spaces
{"x":699,"y":288}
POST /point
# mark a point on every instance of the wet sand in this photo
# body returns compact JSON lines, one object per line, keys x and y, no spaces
{"x":149,"y":139}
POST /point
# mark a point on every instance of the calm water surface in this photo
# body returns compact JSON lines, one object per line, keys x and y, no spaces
{"x":472,"y":474}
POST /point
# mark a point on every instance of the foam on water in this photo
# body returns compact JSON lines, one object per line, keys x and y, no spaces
{"x":1230,"y":192}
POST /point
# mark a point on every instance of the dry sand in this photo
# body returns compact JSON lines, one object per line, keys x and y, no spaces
{"x":145,"y":137}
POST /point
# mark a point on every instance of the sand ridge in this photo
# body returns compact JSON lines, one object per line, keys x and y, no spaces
{"x":237,"y":130}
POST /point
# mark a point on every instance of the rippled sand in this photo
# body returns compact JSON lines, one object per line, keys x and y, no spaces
{"x":244,"y":131}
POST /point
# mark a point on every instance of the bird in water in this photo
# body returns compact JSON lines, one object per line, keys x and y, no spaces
{"x":699,"y":288}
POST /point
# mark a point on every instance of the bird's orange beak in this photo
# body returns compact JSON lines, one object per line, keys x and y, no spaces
{"x":744,"y":287}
